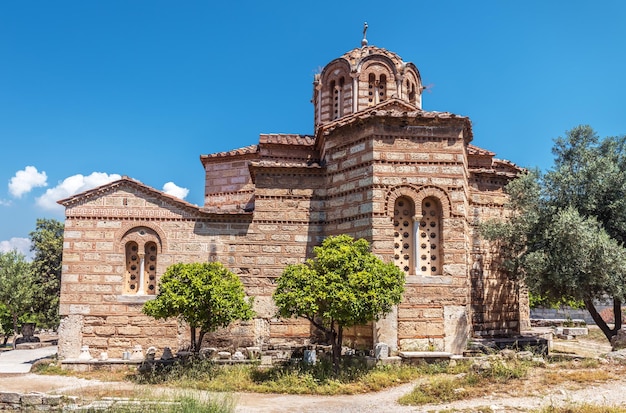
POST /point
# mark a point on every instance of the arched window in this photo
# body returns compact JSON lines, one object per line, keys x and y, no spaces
{"x":141,"y":264}
{"x":131,"y":284}
{"x":371,"y":89}
{"x":404,"y":234}
{"x":410,"y":87}
{"x":430,"y":245}
{"x":382,"y":88}
{"x":150,"y":267}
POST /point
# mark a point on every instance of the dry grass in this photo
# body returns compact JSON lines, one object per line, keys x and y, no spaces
{"x":582,"y":408}
{"x":579,"y":377}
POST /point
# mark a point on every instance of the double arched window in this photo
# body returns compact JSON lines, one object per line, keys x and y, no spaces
{"x":417,"y":238}
{"x":141,"y":248}
{"x":377,"y":88}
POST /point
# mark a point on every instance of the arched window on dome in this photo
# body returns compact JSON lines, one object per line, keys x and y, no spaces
{"x":404,"y":234}
{"x":382,"y":88}
{"x":371,"y":89}
{"x":338,"y":97}
{"x":334,"y":99}
{"x":410,"y":87}
{"x":430,"y":252}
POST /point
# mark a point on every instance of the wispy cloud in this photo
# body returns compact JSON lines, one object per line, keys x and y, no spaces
{"x":5,"y":202}
{"x":171,"y":188}
{"x":22,"y":245}
{"x":24,"y":181}
{"x":71,"y":186}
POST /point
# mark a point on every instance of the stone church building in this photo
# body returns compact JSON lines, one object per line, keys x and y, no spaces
{"x":378,"y":167}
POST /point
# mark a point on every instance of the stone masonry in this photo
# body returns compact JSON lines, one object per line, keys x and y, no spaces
{"x":378,"y":167}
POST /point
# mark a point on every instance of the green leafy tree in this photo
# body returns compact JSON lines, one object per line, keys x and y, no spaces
{"x":6,"y":324}
{"x":204,"y":295}
{"x":47,"y":243}
{"x":16,"y":286}
{"x":567,"y":229}
{"x":342,"y":286}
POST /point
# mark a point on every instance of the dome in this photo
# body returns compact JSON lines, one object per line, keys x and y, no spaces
{"x":361,"y":78}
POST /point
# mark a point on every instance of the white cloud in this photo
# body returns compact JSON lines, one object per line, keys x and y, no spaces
{"x":5,"y":202}
{"x":24,"y":181}
{"x":171,"y":188}
{"x":22,"y":245}
{"x":71,"y":186}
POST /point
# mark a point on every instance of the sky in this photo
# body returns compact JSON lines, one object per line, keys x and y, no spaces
{"x":94,"y":90}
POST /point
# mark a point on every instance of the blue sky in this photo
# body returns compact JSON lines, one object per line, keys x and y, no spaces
{"x":91,"y":90}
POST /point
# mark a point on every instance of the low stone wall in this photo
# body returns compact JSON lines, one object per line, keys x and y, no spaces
{"x":34,"y":401}
{"x":563,"y":313}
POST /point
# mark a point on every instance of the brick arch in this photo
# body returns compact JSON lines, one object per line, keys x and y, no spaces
{"x":417,"y":195}
{"x":437,"y":193}
{"x":127,"y":233}
{"x":377,"y":64}
{"x":397,"y":192}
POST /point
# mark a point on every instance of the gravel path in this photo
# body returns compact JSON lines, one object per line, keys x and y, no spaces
{"x":609,"y":394}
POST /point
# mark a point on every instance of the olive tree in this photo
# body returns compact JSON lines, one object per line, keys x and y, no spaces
{"x":566,"y":232}
{"x":342,"y":286}
{"x":16,"y":287}
{"x":47,"y":244}
{"x":206,"y":296}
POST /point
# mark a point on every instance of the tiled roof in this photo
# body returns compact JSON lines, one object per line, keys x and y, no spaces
{"x":125,"y":181}
{"x":240,"y":151}
{"x":391,"y":108}
{"x":359,"y":53}
{"x":475,"y":150}
{"x":286,"y":139}
{"x":285,"y":164}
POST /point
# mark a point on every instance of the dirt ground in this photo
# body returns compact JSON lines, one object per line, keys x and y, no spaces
{"x":533,"y":396}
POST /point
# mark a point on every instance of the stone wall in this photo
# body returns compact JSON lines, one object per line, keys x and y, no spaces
{"x":33,"y":402}
{"x":266,"y":207}
{"x":499,"y":304}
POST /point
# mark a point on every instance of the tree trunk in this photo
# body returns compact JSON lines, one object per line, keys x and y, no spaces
{"x":193,"y":338}
{"x":617,"y":313}
{"x":14,"y":330}
{"x":335,"y":348}
{"x":200,"y":338}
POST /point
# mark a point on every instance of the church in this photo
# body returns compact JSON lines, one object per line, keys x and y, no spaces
{"x":377,"y":167}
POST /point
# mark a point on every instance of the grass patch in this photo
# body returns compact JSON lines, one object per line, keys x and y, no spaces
{"x":582,"y":376}
{"x":297,"y":378}
{"x":52,"y":367}
{"x":465,"y":385}
{"x":185,"y":404}
{"x":582,"y":408}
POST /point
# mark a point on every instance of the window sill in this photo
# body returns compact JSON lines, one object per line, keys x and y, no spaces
{"x":428,"y":279}
{"x":135,"y":299}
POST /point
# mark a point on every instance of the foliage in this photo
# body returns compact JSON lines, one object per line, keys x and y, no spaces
{"x":343,"y":286}
{"x":566,"y":233}
{"x":16,"y":286}
{"x":47,"y":243}
{"x":538,"y":301}
{"x":6,"y":323}
{"x":355,"y":377}
{"x":204,"y":295}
